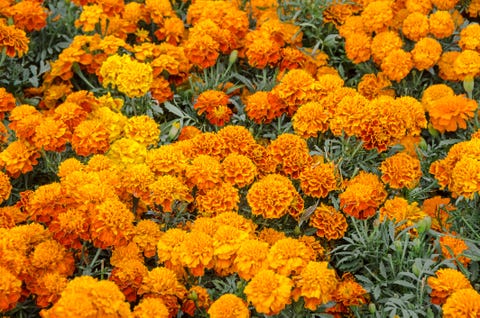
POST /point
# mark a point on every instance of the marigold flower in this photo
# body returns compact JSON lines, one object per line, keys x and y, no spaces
{"x":261,"y":49}
{"x":377,"y":16}
{"x":250,"y":258}
{"x":142,"y":129}
{"x":310,"y":119}
{"x":441,"y":24}
{"x":166,"y":159}
{"x":111,"y":224}
{"x":226,"y":241}
{"x":445,"y":282}
{"x":291,"y":154}
{"x":188,"y":132}
{"x":147,"y":234}
{"x":453,"y":248}
{"x":450,"y":113}
{"x":13,"y":40}
{"x":70,"y":227}
{"x":229,"y":306}
{"x":316,"y":284}
{"x":259,"y":110}
{"x":383,"y":43}
{"x":399,"y":210}
{"x":464,"y":178}
{"x":202,"y":50}
{"x":205,"y":172}
{"x":198,"y":298}
{"x":462,"y":303}
{"x":473,"y":8}
{"x":207,"y":143}
{"x":127,"y":151}
{"x":215,"y":106}
{"x":397,"y":64}
{"x":318,"y":179}
{"x":196,"y":252}
{"x":467,"y":64}
{"x":468,"y":37}
{"x":330,"y":223}
{"x":401,"y":170}
{"x":363,"y":195}
{"x":415,"y":26}
{"x":90,"y":137}
{"x":289,"y":256}
{"x":352,"y":25}
{"x":85,"y":296}
{"x":168,"y":248}
{"x":128,"y":276}
{"x":426,"y":53}
{"x":349,"y":293}
{"x":445,"y":66}
{"x":372,"y":86}
{"x":348,"y":114}
{"x":23,"y":120}
{"x":358,"y":47}
{"x":434,"y":92}
{"x":48,"y":288}
{"x":19,"y":158}
{"x":7,"y":101}
{"x":11,"y":289}
{"x":236,"y":220}
{"x":269,"y":292}
{"x":5,"y":187}
{"x":270,"y":236}
{"x":271,"y":196}
{"x":10,"y":216}
{"x":150,"y":307}
{"x":238,"y":170}
{"x":217,"y":200}
{"x":438,"y":208}
{"x":51,"y":135}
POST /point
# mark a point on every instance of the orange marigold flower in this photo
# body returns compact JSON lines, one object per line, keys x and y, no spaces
{"x":250,"y":258}
{"x":85,"y":296}
{"x":383,"y":43}
{"x":465,"y":179}
{"x":363,"y":195}
{"x":128,"y":276}
{"x":220,"y":199}
{"x":90,"y":137}
{"x":215,"y":106}
{"x":70,"y":228}
{"x":198,"y":298}
{"x":399,"y":210}
{"x":462,"y":303}
{"x":377,"y":16}
{"x":444,"y":4}
{"x":330,"y":223}
{"x":401,"y":171}
{"x":349,"y":293}
{"x":23,"y":120}
{"x":372,"y":86}
{"x":10,"y":290}
{"x":207,"y":143}
{"x":291,"y":154}
{"x":147,"y":234}
{"x":236,"y":220}
{"x":47,"y":288}
{"x":71,"y":114}
{"x":445,"y":282}
{"x":168,"y":249}
{"x":13,"y":40}
{"x":450,"y":113}
{"x":446,"y":70}
{"x":166,"y":190}
{"x":136,"y":179}
{"x":151,"y":307}
{"x":51,"y":135}
{"x":316,"y":283}
{"x":289,"y":256}
{"x":441,"y":24}
{"x":161,"y":90}
{"x":261,"y":49}
{"x":269,"y":292}
{"x":422,"y":6}
{"x":46,"y":202}
{"x":467,"y":64}
{"x":259,"y":109}
{"x":111,"y":224}
{"x":19,"y":158}
{"x":358,"y":47}
{"x":49,"y":256}
{"x":205,"y":172}
{"x":473,"y":8}
{"x":29,"y":15}
{"x":318,"y":179}
{"x":271,"y":196}
{"x":202,"y":50}
{"x":226,"y":241}
{"x":5,"y":187}
{"x":196,"y":252}
{"x":7,"y":101}
{"x":238,"y":170}
{"x":434,"y":92}
{"x":397,"y":64}
{"x":166,"y":159}
{"x":468,"y":37}
{"x":348,"y":114}
{"x":270,"y":236}
{"x":426,"y":53}
{"x":10,"y":216}
{"x":438,"y":208}
{"x":310,"y":119}
{"x":415,"y":26}
{"x":229,"y":306}
{"x":188,"y":132}
{"x":453,"y":248}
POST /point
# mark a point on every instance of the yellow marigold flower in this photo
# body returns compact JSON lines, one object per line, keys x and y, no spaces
{"x":327,"y":84}
{"x":211,"y":102}
{"x":271,"y":196}
{"x":397,"y":64}
{"x":468,"y":37}
{"x":205,"y":172}
{"x":229,"y":306}
{"x":90,"y":16}
{"x":438,"y":208}
{"x":465,"y":179}
{"x":13,"y":40}
{"x":466,"y":64}
{"x":291,"y":154}
{"x":202,"y":50}
{"x":358,"y":47}
{"x":441,"y":24}
{"x":310,"y":119}
{"x":446,"y":70}
{"x":456,"y":246}
{"x":399,"y":210}
{"x":318,"y":179}
{"x":19,"y":158}
{"x":168,"y":248}
{"x":422,"y":6}
{"x":111,"y":224}
{"x":401,"y":171}
{"x":363,"y":195}
{"x":150,"y":307}
{"x":330,"y":223}
{"x":450,"y":113}
{"x":259,"y":110}
{"x":383,"y":43}
{"x":85,"y":296}
{"x":10,"y":290}
{"x":415,"y":26}
{"x":434,"y":92}
{"x":289,"y":256}
{"x":445,"y":282}
{"x":112,"y":121}
{"x":143,"y":129}
{"x":426,"y":53}
{"x":127,"y":151}
{"x":196,"y":252}
{"x":220,"y":199}
{"x":226,"y":241}
{"x":316,"y":284}
{"x":377,"y":16}
{"x":166,"y":190}
{"x":463,"y":303}
{"x":90,"y":137}
{"x":236,"y":220}
{"x":444,"y":4}
{"x":269,"y":292}
{"x":238,"y":170}
{"x":68,"y":166}
{"x":250,"y":258}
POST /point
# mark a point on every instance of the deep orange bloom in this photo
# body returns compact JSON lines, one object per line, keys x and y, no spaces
{"x":151,"y":307}
{"x":438,"y":208}
{"x":291,"y":154}
{"x":445,"y":282}
{"x":450,"y":113}
{"x":217,"y":200}
{"x":18,"y":158}
{"x":455,"y":245}
{"x":330,"y":223}
{"x":90,"y":137}
{"x":13,"y":39}
{"x":401,"y":170}
{"x":238,"y":170}
{"x":289,"y":256}
{"x":318,"y":179}
{"x":229,"y":306}
{"x":215,"y":106}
